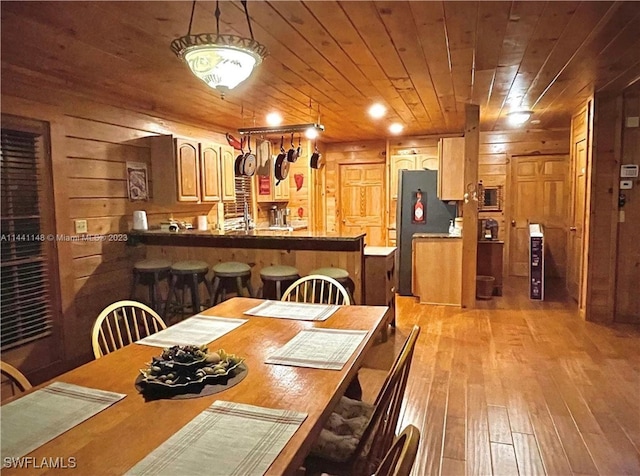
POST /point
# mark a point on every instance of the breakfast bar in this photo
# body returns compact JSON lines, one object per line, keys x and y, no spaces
{"x":303,"y":249}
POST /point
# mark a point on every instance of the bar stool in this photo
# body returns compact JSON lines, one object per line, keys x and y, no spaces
{"x":231,"y":276}
{"x":273,"y":278}
{"x":188,"y":274}
{"x":150,"y":272}
{"x":340,"y":275}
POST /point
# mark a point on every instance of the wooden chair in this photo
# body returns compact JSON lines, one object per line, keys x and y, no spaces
{"x":317,"y":288}
{"x":123,"y":323}
{"x":400,"y":458}
{"x":379,"y":432}
{"x":16,"y":377}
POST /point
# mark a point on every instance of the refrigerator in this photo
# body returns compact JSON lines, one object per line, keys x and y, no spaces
{"x":419,"y":211}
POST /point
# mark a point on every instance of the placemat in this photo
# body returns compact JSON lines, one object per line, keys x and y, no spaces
{"x":293,"y":310}
{"x":197,"y":330}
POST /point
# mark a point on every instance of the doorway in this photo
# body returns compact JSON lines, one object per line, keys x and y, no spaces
{"x":362,"y":202}
{"x":539,"y":194}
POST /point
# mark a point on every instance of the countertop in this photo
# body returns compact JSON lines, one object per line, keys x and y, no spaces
{"x":267,"y":239}
{"x":436,"y":235}
{"x":379,"y":250}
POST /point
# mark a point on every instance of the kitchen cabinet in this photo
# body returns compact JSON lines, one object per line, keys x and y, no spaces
{"x":451,"y":168}
{"x":188,"y":171}
{"x":408,"y":162}
{"x":437,"y":269}
{"x":268,"y":191}
{"x":380,"y":278}
{"x":228,"y":183}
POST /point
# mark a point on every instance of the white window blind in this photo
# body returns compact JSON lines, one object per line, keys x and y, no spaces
{"x":243,"y":194}
{"x":26,"y":311}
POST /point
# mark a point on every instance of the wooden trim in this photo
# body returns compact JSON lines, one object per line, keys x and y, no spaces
{"x":470,"y":209}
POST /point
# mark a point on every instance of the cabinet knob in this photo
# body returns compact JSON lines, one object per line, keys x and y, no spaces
{"x":513,"y":223}
{"x":572,"y":228}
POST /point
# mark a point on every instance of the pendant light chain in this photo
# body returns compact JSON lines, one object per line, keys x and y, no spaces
{"x":246,"y":13}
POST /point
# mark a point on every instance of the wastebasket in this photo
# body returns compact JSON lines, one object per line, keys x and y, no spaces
{"x":484,"y":287}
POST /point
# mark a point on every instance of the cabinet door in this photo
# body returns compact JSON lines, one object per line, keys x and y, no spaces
{"x":187,"y":171}
{"x":399,"y":162}
{"x":280,"y":192}
{"x":228,"y":174}
{"x":451,"y":170}
{"x":427,"y":162}
{"x":210,"y":171}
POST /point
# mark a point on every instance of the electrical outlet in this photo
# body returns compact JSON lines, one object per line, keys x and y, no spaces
{"x":81,"y":226}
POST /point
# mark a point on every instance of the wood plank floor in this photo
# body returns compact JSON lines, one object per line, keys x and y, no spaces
{"x":517,"y":387}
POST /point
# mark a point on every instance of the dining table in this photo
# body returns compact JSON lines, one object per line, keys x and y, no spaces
{"x":116,"y":439}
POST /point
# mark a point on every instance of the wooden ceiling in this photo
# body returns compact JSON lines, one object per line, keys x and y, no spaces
{"x":423,"y":60}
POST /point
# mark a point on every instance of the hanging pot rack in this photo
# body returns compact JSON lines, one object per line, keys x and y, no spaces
{"x":287,"y":129}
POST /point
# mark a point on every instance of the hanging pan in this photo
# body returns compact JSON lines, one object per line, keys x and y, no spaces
{"x":249,"y":163}
{"x":317,"y":161}
{"x":240,"y":159}
{"x":281,"y":168}
{"x":292,"y":155}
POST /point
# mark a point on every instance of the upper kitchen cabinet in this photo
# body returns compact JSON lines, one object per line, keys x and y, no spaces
{"x":188,"y":171}
{"x":451,"y":168}
{"x":228,"y":174}
{"x":408,"y":162}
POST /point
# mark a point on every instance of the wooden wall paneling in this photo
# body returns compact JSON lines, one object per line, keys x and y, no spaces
{"x":603,"y":208}
{"x":628,"y":259}
{"x":470,"y":207}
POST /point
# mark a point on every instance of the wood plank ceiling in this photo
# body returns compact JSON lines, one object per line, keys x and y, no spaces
{"x":423,"y":60}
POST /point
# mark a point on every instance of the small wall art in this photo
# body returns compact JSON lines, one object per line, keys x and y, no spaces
{"x":137,"y":181}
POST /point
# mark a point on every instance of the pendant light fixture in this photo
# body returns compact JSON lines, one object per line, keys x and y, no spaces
{"x":221,"y":61}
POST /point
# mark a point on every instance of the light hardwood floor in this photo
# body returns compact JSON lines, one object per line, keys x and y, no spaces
{"x":517,"y":387}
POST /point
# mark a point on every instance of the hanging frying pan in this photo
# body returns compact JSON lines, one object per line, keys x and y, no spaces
{"x":281,"y":167}
{"x":233,"y":142}
{"x":239,"y":159}
{"x":299,"y":149}
{"x":317,"y":161}
{"x":249,"y":162}
{"x":292,"y":155}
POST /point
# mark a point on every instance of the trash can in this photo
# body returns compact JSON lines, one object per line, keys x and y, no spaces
{"x":484,"y":287}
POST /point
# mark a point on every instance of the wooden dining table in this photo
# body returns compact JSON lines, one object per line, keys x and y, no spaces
{"x":114,"y":440}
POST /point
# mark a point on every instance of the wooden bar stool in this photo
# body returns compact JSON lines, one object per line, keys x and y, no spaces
{"x":273,"y":279}
{"x":187,"y":275}
{"x":340,"y":275}
{"x":150,"y":272}
{"x":231,"y":276}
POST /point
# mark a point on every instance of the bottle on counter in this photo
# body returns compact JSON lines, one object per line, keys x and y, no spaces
{"x":452,"y":230}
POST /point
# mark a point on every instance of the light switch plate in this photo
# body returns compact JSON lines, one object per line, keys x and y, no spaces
{"x":626,"y":184}
{"x":633,"y":121}
{"x":80,"y":225}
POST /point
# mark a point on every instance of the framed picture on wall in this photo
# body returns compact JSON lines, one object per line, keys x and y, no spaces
{"x":137,"y":181}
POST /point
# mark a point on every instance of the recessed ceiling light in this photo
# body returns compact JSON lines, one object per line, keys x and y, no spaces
{"x":311,"y":133}
{"x":274,"y":119}
{"x":377,"y":111}
{"x":396,"y":128}
{"x":517,"y":118}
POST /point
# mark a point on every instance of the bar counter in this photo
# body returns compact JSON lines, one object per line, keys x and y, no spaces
{"x":303,"y":249}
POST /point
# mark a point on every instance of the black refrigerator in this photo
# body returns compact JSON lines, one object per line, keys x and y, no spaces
{"x":419,"y":211}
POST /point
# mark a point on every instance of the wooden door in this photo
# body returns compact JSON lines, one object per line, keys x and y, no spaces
{"x":362,"y":201}
{"x":539,"y":195}
{"x":210,"y":172}
{"x":398,"y":163}
{"x":228,"y":181}
{"x":187,"y":171}
{"x":576,"y":220}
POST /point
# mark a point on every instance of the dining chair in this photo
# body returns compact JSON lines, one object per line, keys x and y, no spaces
{"x":356,"y":436}
{"x":400,"y":458}
{"x":317,"y":288}
{"x":16,"y":377}
{"x":123,"y":323}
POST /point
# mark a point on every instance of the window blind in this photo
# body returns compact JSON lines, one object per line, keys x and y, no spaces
{"x":243,"y":194}
{"x":26,"y":312}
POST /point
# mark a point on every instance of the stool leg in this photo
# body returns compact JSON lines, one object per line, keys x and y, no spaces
{"x":136,"y":279}
{"x":195,"y":295}
{"x":239,"y":285}
{"x":207,"y":284}
{"x":153,"y":291}
{"x":216,"y":290}
{"x":278,"y":291}
{"x":172,"y":289}
{"x":249,"y":287}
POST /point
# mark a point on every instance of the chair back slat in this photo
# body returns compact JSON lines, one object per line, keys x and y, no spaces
{"x":17,"y":378}
{"x":123,"y":323}
{"x":317,"y":288}
{"x":380,"y":431}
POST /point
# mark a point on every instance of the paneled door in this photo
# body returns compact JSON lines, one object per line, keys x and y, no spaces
{"x":539,"y":194}
{"x":576,"y":220}
{"x":362,"y":201}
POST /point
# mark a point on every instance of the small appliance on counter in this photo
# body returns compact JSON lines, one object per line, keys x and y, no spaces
{"x":487,"y":229}
{"x":140,"y":220}
{"x":278,"y":217}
